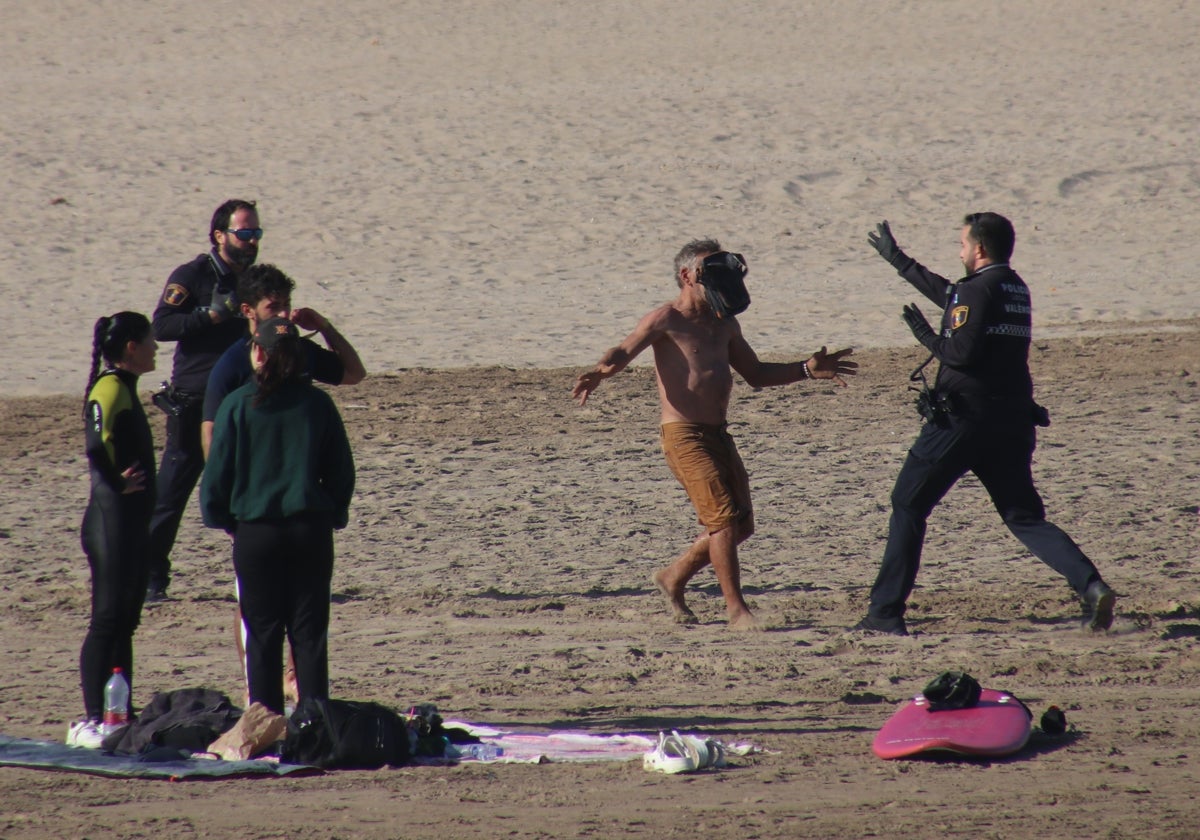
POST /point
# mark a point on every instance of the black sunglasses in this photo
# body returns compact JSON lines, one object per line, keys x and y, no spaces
{"x":246,"y":234}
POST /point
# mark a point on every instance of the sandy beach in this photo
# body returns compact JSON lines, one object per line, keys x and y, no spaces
{"x":483,"y":198}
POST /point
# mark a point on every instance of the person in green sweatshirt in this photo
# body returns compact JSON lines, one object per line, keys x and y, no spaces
{"x":279,"y":478}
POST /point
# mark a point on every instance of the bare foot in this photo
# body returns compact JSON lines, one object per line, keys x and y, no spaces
{"x":745,"y":622}
{"x":291,"y":691}
{"x":680,"y":610}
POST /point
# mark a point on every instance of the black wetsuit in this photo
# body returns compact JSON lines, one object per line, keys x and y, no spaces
{"x":983,"y":350}
{"x":181,"y":316}
{"x":115,"y":532}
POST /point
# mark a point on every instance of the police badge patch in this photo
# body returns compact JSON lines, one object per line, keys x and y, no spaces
{"x":174,"y":294}
{"x":958,"y":316}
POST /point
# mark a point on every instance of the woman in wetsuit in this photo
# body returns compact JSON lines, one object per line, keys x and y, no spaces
{"x":115,"y":532}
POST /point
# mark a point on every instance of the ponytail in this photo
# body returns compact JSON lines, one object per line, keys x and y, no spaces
{"x":284,"y":363}
{"x":98,"y":333}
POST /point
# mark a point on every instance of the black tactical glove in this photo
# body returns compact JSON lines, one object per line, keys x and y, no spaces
{"x":919,"y":326}
{"x":225,"y":305}
{"x":881,"y":240}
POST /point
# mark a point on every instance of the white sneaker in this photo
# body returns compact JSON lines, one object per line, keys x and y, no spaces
{"x":672,"y":755}
{"x":86,"y":734}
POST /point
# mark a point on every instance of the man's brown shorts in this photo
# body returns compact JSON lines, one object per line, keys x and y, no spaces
{"x":706,"y":462}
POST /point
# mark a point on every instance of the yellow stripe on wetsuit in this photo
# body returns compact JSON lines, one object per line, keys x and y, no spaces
{"x":107,"y":400}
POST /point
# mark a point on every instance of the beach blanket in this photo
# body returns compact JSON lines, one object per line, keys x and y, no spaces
{"x":545,"y":747}
{"x":48,"y":755}
{"x":512,"y":747}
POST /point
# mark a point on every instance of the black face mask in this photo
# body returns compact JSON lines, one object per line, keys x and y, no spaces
{"x":952,"y":690}
{"x":723,"y":277}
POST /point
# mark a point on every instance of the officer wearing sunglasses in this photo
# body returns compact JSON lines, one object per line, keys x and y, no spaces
{"x":199,"y":311}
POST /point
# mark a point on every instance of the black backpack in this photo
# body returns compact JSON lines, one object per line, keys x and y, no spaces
{"x":345,"y":734}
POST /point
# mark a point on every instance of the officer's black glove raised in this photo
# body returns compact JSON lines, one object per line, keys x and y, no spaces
{"x":881,"y":240}
{"x":224,"y":305}
{"x":919,"y":326}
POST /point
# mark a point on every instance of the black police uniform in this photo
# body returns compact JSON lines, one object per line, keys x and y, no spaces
{"x":989,"y":430}
{"x":182,"y":316}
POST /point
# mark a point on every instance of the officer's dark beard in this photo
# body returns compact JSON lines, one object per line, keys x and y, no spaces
{"x":240,"y":259}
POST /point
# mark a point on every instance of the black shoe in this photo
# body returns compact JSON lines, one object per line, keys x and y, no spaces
{"x":1098,"y":602}
{"x":891,"y":626}
{"x":155,"y":593}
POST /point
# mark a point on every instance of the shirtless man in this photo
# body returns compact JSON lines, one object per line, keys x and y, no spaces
{"x":697,"y":344}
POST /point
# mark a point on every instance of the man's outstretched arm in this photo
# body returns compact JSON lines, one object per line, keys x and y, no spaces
{"x":759,"y":374}
{"x":648,"y":331}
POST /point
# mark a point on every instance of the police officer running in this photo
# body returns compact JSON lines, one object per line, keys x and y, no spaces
{"x":199,"y":311}
{"x":980,"y":418}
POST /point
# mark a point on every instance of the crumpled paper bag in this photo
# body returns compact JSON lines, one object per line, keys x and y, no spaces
{"x":257,"y":731}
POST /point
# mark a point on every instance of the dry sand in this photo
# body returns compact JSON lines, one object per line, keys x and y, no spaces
{"x":484,"y":197}
{"x":475,"y":183}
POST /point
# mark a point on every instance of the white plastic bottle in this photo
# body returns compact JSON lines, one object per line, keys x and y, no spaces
{"x":116,"y":703}
{"x":481,"y":752}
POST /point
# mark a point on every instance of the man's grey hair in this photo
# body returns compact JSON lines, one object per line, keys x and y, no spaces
{"x":692,"y":251}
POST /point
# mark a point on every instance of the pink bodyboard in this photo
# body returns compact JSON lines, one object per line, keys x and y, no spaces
{"x":998,"y":725}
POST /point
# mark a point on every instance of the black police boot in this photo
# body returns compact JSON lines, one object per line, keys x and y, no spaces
{"x":891,"y":626}
{"x":1098,"y":603}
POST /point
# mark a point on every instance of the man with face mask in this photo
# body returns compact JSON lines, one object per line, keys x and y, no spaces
{"x":698,"y":344}
{"x":198,"y":310}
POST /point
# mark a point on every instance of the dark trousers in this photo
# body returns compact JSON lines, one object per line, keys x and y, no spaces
{"x":284,"y":569}
{"x":182,"y":463}
{"x":114,"y":540}
{"x":1000,"y":455}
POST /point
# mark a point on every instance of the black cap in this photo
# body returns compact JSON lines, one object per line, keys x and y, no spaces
{"x":270,"y":331}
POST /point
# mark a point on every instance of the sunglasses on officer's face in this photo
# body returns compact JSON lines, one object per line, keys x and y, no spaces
{"x":246,"y":234}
